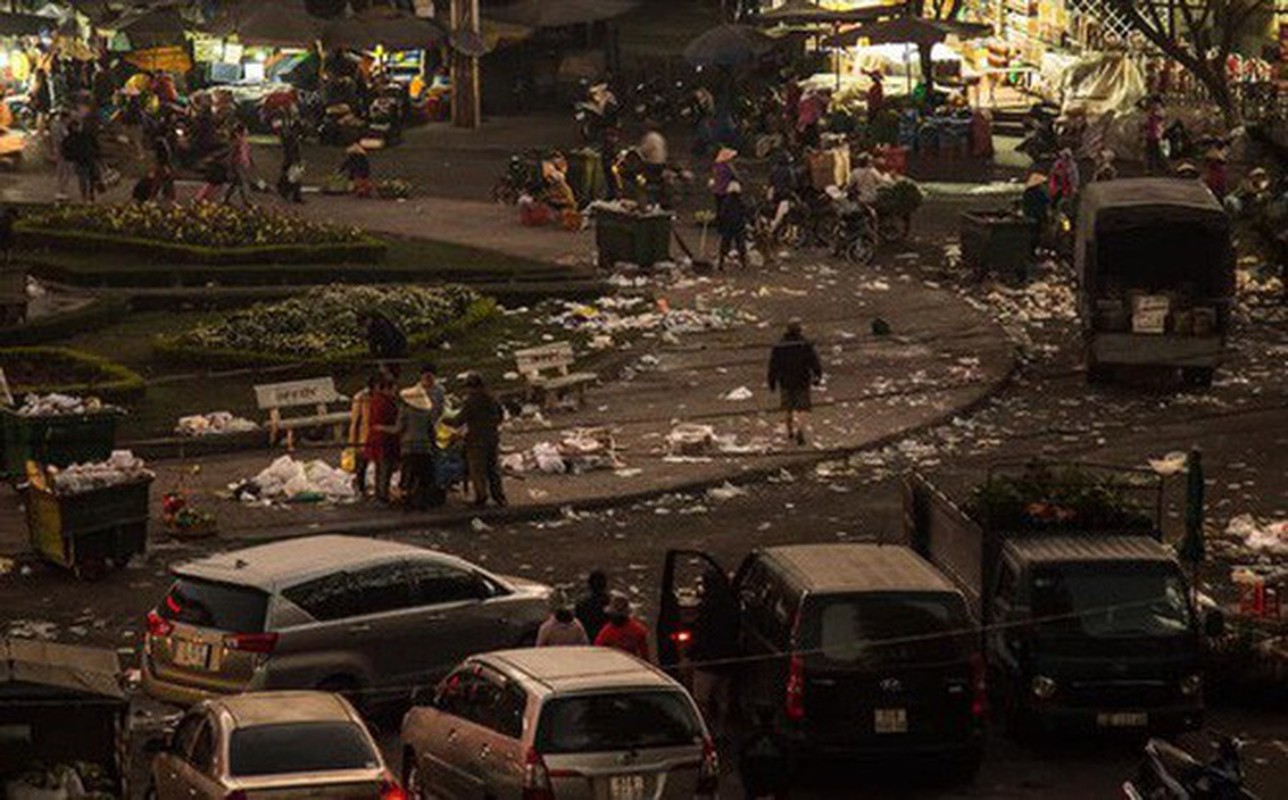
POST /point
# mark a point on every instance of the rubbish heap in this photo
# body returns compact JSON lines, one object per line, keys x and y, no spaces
{"x":57,"y":405}
{"x":580,"y":450}
{"x":610,"y":315}
{"x":289,"y":481}
{"x":216,"y":423}
{"x":120,"y":469}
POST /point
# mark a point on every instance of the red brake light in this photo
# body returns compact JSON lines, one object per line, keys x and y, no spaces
{"x":159,"y":625}
{"x":795,"y":705}
{"x":709,"y":774}
{"x":979,"y":685}
{"x":251,"y":642}
{"x":390,"y":790}
{"x":682,"y":636}
{"x":536,"y":778}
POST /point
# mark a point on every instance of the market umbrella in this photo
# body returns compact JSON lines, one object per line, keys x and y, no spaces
{"x":382,"y":27}
{"x":805,"y":12}
{"x":727,"y":45}
{"x":281,"y":23}
{"x":559,"y":13}
{"x":913,"y":30}
{"x":149,"y":29}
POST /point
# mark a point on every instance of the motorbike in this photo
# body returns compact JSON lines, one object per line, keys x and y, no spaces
{"x":1170,"y":773}
{"x":522,"y":176}
{"x":1042,"y":142}
{"x":856,"y":231}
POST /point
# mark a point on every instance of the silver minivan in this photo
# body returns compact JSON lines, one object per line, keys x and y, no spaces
{"x":367,"y":617}
{"x":574,"y":723}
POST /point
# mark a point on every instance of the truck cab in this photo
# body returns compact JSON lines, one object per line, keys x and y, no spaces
{"x":1093,"y":633}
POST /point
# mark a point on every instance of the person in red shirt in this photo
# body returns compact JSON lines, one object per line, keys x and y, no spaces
{"x":622,"y":631}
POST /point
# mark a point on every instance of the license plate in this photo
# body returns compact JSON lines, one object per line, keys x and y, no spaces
{"x":1122,"y":719}
{"x":191,"y":654}
{"x":626,"y":787}
{"x":890,"y":720}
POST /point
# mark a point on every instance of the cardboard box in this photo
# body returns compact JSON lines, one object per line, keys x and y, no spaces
{"x":1150,"y":302}
{"x":1150,"y":321}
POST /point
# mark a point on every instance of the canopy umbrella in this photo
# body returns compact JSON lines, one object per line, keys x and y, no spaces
{"x":157,"y":28}
{"x":387,"y":28}
{"x":805,"y":12}
{"x":728,"y":45}
{"x":281,"y":23}
{"x":913,"y":30}
{"x":559,"y":13}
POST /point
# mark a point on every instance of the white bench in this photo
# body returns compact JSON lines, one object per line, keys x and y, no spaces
{"x":545,"y":369}
{"x":317,"y":393}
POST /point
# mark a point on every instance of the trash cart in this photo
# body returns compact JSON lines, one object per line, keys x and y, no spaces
{"x":997,"y":242}
{"x":88,"y":532}
{"x":642,"y":239}
{"x":54,"y":440}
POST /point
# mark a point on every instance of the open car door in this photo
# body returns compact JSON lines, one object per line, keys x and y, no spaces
{"x":688,"y":577}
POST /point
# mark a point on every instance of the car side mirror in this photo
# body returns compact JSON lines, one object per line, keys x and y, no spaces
{"x":1214,"y":623}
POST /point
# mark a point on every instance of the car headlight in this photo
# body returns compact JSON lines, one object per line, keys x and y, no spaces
{"x":1043,"y":687}
{"x":1191,"y":685}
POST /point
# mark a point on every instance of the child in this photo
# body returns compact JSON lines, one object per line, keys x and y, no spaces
{"x":356,"y":167}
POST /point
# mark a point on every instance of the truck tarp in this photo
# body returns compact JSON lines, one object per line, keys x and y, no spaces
{"x":70,"y":668}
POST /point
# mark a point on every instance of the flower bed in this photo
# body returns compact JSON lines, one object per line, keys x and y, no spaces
{"x":47,"y":370}
{"x":322,"y":325}
{"x":203,"y":233}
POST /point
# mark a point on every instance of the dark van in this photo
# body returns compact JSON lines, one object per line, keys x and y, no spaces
{"x":860,"y":648}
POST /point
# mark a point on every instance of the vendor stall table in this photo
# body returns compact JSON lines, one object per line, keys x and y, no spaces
{"x":54,"y":440}
{"x":642,"y":239}
{"x":85,"y":531}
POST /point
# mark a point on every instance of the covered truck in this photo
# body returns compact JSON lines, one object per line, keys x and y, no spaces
{"x":1155,"y":264}
{"x":1088,"y":618}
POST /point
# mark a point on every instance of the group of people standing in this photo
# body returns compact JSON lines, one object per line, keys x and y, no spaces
{"x":432,"y":446}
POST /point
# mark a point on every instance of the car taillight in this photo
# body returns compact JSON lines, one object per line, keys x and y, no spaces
{"x":682,"y":636}
{"x":159,"y":625}
{"x":795,"y":705}
{"x":709,"y":773}
{"x":390,"y":790}
{"x":251,"y":642}
{"x":536,"y":778}
{"x":979,"y":685}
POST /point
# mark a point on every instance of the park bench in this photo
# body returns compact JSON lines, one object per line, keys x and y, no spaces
{"x":545,"y":369}
{"x":319,"y":394}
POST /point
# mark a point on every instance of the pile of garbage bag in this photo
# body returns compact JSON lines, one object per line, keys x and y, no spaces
{"x":580,"y":450}
{"x":55,"y":405}
{"x":216,"y":423}
{"x":120,"y":469}
{"x":289,"y":481}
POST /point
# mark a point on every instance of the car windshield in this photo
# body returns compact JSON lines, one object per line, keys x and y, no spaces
{"x":889,"y":629}
{"x":299,"y":747}
{"x":223,"y":606}
{"x":635,"y":720}
{"x":1103,"y":601}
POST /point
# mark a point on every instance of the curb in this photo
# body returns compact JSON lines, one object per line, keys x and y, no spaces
{"x":543,"y":511}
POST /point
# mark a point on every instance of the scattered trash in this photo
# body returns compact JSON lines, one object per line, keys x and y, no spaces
{"x":581,"y":450}
{"x":121,"y":468}
{"x":737,"y":395}
{"x":1259,"y":535}
{"x":215,"y":423}
{"x":479,"y":526}
{"x":727,"y":491}
{"x":291,"y":481}
{"x":1170,"y":464}
{"x":55,"y":405}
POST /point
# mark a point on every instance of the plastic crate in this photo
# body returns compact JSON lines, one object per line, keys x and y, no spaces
{"x":997,"y":242}
{"x":83,"y":532}
{"x":632,"y":239}
{"x":55,"y":441}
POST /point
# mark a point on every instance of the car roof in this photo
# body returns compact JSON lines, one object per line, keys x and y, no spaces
{"x":281,"y":564}
{"x":827,"y":568}
{"x":278,"y":708}
{"x":1055,"y":549}
{"x":560,"y":670}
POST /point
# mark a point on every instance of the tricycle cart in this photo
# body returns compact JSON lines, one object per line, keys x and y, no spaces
{"x":64,"y":708}
{"x":1156,"y":271}
{"x":88,"y":532}
{"x":54,"y":440}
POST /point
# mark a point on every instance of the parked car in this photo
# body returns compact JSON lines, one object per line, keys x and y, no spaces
{"x":861,"y":648}
{"x":569,"y":722}
{"x":341,"y":613}
{"x":273,"y":744}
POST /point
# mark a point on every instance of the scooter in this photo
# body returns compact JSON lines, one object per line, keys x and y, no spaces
{"x":1170,"y":773}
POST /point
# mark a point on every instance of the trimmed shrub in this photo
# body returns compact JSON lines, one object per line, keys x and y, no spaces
{"x":43,"y":370}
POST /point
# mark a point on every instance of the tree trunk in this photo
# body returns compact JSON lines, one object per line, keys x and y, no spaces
{"x":1213,"y":79}
{"x":924,"y":51}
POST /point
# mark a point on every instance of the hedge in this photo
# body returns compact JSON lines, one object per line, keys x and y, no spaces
{"x":369,"y":249}
{"x":169,"y":349}
{"x":119,"y":383}
{"x":97,"y":313}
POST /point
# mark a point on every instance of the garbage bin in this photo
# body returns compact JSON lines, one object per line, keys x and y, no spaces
{"x":586,"y":175}
{"x":86,"y":532}
{"x":54,"y":440}
{"x":632,"y":238}
{"x":998,"y":242}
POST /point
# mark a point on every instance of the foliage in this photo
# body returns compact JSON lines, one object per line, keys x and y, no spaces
{"x":324,"y":321}
{"x":202,"y":225}
{"x":1043,"y":497}
{"x":44,"y":370}
{"x":902,"y":198}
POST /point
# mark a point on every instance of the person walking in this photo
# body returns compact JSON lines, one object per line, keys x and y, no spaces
{"x":417,"y":427}
{"x":290,"y":181}
{"x":240,"y":162}
{"x":794,"y":367}
{"x":623,"y":631}
{"x":590,"y":608}
{"x":482,"y":416}
{"x":561,"y":628}
{"x":80,"y":148}
{"x":381,"y":447}
{"x":359,"y":430}
{"x":731,"y":223}
{"x":723,"y":173}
